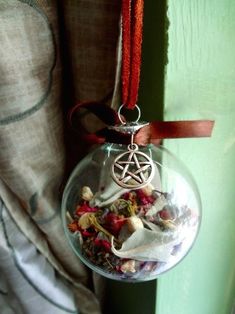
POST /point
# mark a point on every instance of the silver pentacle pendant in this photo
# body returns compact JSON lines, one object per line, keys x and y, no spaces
{"x":132,"y":169}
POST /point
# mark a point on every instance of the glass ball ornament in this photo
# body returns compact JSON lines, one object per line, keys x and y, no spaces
{"x":127,"y":232}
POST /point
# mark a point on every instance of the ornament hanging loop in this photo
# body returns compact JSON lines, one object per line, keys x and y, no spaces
{"x":123,"y":122}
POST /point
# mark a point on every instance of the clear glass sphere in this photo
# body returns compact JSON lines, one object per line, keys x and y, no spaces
{"x":131,"y":234}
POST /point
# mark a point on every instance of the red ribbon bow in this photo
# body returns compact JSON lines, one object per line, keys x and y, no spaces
{"x":152,"y":133}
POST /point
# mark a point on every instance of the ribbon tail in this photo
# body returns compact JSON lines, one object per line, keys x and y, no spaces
{"x":180,"y":129}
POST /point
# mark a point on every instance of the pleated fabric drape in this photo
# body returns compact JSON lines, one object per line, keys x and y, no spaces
{"x":53,"y":54}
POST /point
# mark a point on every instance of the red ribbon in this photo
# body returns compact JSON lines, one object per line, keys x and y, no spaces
{"x":132,"y":30}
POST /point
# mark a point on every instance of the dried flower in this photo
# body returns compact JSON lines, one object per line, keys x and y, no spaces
{"x":94,"y":223}
{"x":89,"y":234}
{"x":85,"y":208}
{"x":134,"y":223}
{"x":144,"y":199}
{"x":126,"y":196}
{"x":114,"y":223}
{"x":73,"y":226}
{"x":103,"y":244}
{"x":164,"y":214}
{"x":84,"y":221}
{"x":148,"y":190}
{"x":87,"y":194}
{"x":142,"y":222}
{"x":128,"y":267}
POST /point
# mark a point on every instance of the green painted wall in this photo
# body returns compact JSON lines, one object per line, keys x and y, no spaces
{"x":200,"y":83}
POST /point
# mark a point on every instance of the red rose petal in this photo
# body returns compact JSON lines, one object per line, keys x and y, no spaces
{"x":85,"y":208}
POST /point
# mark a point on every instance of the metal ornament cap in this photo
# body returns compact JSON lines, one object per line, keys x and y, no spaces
{"x":132,"y":169}
{"x":129,"y":127}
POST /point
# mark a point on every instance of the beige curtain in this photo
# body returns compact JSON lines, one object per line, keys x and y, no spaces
{"x":52,"y":55}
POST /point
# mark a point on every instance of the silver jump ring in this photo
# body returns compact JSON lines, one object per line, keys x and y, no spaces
{"x":120,"y":117}
{"x":132,"y":147}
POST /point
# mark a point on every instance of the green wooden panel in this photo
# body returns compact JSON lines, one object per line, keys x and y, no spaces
{"x":200,"y":83}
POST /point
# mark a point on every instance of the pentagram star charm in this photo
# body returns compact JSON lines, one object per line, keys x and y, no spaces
{"x":132,"y":169}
